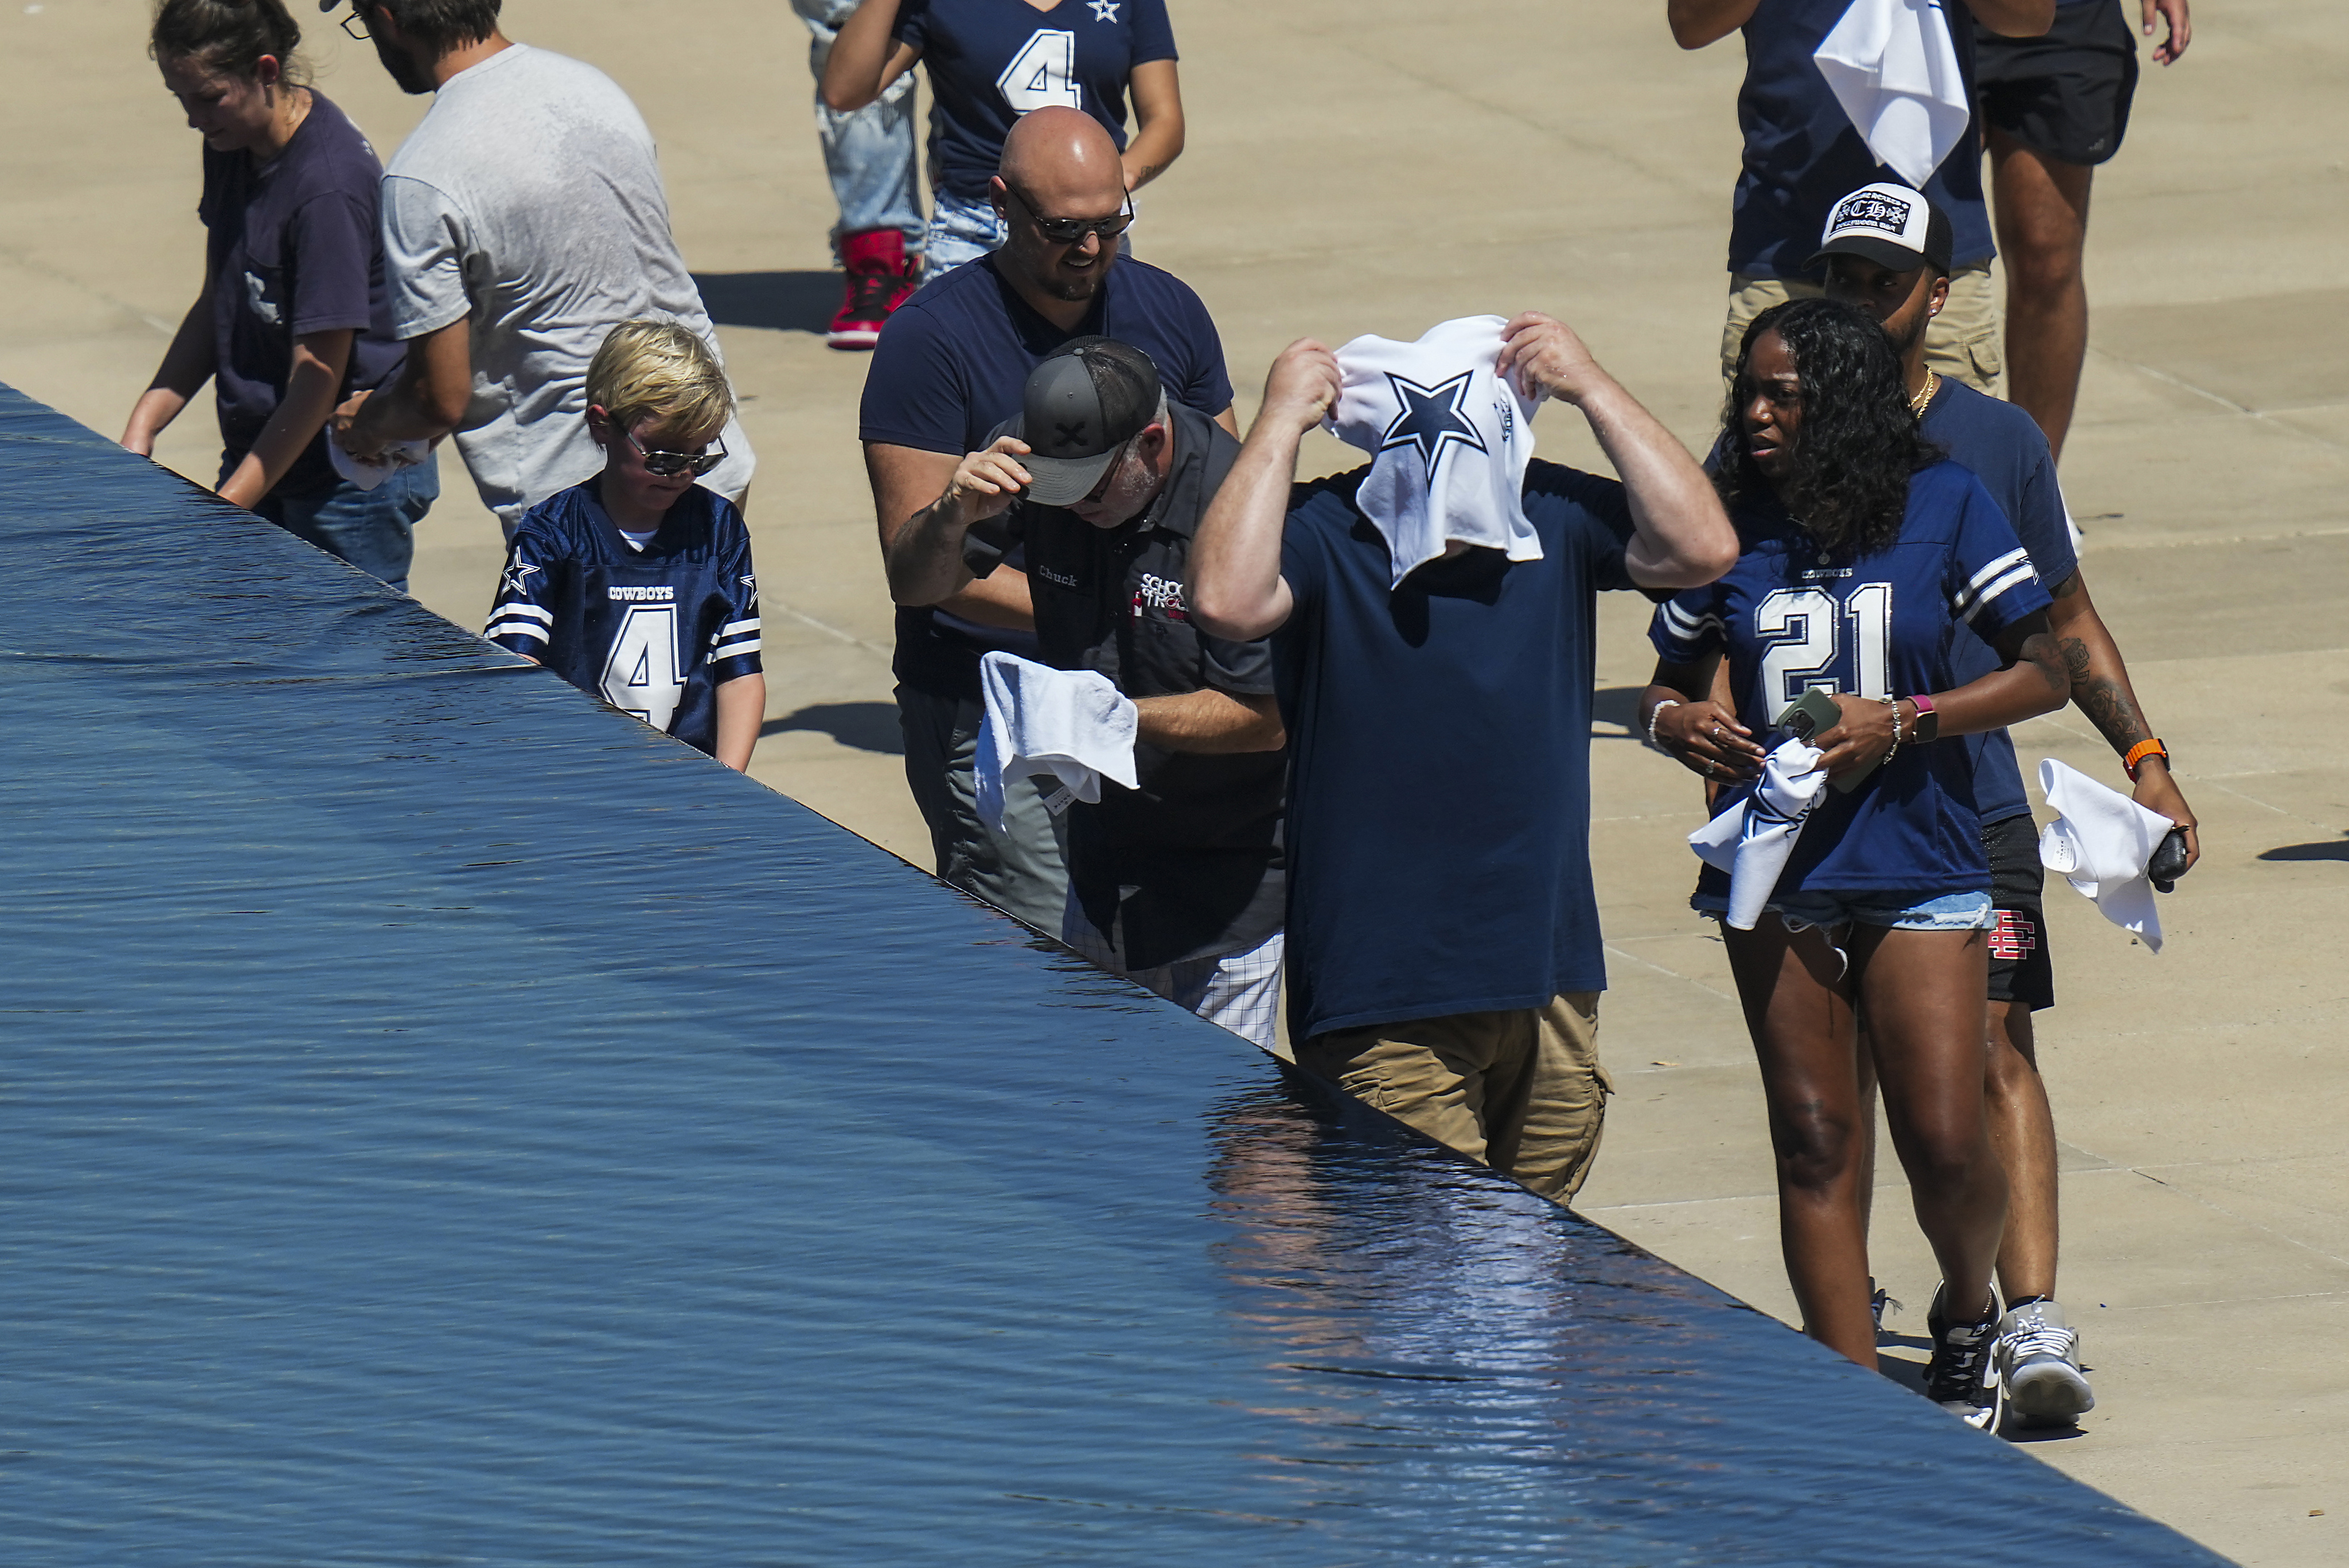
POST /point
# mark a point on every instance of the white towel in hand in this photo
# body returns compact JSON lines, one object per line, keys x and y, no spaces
{"x":2100,"y":842}
{"x":1074,"y":724}
{"x":1448,"y":441}
{"x":1891,"y":65}
{"x":1751,"y":839}
{"x":367,"y":476}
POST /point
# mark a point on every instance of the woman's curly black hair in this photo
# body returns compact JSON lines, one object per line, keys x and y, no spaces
{"x":1858,"y":444}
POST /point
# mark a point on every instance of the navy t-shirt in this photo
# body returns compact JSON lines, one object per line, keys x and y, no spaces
{"x":294,"y":249}
{"x":950,"y":367}
{"x":2004,"y":448}
{"x":1790,"y":618}
{"x":1439,"y":853}
{"x":654,"y":632}
{"x":992,"y":61}
{"x":1802,"y":154}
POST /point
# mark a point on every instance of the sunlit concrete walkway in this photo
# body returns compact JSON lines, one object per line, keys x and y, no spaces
{"x":1366,"y":165}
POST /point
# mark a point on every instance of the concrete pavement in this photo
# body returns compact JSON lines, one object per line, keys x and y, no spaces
{"x":1375,"y":166}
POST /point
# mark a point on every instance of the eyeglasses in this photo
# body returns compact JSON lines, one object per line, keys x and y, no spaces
{"x":355,"y":26}
{"x":1072,"y":231}
{"x":670,"y":465}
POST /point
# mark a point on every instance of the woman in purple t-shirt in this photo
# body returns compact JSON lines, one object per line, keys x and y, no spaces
{"x":992,"y":61}
{"x":291,"y":318}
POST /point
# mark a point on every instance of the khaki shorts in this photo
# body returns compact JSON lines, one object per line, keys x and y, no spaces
{"x":1521,"y":1091}
{"x":1963,"y":342}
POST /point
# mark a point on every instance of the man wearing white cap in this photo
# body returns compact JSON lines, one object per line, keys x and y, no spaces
{"x":1431,"y":624}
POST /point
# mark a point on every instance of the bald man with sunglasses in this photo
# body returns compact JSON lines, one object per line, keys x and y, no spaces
{"x":949,"y":368}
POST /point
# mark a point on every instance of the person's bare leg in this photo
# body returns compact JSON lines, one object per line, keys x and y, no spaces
{"x":1923,"y":993}
{"x":1801,"y":1023}
{"x":2042,"y":218}
{"x":2023,"y":1131}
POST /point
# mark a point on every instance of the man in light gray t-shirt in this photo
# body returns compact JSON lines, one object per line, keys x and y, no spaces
{"x":522,"y":220}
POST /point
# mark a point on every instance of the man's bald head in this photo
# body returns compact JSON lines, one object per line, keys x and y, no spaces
{"x":1063,"y":161}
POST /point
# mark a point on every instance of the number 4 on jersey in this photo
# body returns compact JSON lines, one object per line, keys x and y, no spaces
{"x":641,"y":676}
{"x":1042,"y":74}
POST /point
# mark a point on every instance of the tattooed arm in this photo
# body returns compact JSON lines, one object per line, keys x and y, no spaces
{"x":2100,"y":685}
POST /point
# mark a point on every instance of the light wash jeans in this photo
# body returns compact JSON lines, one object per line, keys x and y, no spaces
{"x":868,"y":154}
{"x":963,"y":230}
{"x":374,"y":530}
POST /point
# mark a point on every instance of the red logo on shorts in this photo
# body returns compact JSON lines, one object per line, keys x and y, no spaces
{"x":2015,"y":937}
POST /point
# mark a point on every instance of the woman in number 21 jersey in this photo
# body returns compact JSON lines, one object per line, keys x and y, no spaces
{"x":992,"y":61}
{"x":1862,"y":550}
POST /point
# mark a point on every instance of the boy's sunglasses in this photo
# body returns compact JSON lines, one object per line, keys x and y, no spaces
{"x":1072,"y":231}
{"x":670,"y":465}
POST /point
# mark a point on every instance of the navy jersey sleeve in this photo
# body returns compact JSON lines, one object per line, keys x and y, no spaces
{"x":1598,"y":519}
{"x":1688,"y":626}
{"x":1208,"y":382}
{"x":1989,"y":583}
{"x":522,"y":619}
{"x":916,"y":394}
{"x":734,"y":646}
{"x":1314,"y":507}
{"x":1152,"y":35}
{"x":2041,"y":525}
{"x":912,"y":23}
{"x":332,"y":244}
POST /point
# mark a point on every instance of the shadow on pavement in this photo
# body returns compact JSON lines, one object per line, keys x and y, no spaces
{"x":777,"y":301}
{"x":867,"y":726}
{"x":2336,"y":850}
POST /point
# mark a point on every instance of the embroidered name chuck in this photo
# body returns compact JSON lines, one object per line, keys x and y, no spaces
{"x":652,"y":631}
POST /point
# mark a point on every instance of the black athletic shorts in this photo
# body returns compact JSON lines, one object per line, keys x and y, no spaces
{"x":2019,"y":969}
{"x":2065,"y":95}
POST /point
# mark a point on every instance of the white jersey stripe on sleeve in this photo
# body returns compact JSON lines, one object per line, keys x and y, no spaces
{"x":519,"y":607}
{"x":516,"y":628}
{"x":733,"y":627}
{"x":734,"y":650}
{"x":2013,"y":579}
{"x":1973,"y":589}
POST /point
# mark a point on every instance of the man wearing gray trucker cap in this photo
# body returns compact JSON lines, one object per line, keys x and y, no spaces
{"x":1176,"y":883}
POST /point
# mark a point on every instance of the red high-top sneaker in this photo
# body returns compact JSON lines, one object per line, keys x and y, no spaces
{"x":878,"y":281}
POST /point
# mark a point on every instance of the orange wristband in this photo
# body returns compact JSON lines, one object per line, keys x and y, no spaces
{"x":2141,"y":750}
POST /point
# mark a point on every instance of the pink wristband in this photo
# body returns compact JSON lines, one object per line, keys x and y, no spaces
{"x":1924,"y":704}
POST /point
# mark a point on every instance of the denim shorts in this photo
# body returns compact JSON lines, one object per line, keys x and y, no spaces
{"x":1900,"y":911}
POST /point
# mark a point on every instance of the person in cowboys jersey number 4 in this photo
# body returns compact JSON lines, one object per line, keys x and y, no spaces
{"x":636,"y":585}
{"x":1862,"y":551}
{"x":1886,"y":257}
{"x":992,"y":61}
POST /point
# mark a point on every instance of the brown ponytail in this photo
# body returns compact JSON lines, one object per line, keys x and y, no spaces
{"x":229,"y":37}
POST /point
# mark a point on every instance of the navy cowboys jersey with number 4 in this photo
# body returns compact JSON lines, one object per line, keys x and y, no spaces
{"x":1789,"y":618}
{"x":654,"y":632}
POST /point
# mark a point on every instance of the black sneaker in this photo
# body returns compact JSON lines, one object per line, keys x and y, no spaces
{"x":2038,"y":1362}
{"x":1962,"y":1376}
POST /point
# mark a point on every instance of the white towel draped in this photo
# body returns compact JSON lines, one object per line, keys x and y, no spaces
{"x":1074,"y":724}
{"x":1448,"y":441}
{"x":2100,"y":843}
{"x":367,"y":476}
{"x":1891,"y":65}
{"x":1751,"y":839}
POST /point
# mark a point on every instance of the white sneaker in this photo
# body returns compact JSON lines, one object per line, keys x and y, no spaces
{"x":2038,"y":1362}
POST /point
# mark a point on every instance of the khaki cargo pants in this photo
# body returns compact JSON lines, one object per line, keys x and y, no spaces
{"x":1963,"y":342}
{"x":1521,"y":1091}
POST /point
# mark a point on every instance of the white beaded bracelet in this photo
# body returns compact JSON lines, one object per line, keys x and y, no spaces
{"x":1658,"y":713}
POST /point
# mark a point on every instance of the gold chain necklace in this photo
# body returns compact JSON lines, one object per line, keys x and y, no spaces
{"x":1924,"y":398}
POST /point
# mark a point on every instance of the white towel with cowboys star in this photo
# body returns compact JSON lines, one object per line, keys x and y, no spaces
{"x":1892,"y":66}
{"x":1072,"y":724}
{"x":2100,"y":842}
{"x":1751,"y":839}
{"x":400,"y":454}
{"x":1448,"y":441}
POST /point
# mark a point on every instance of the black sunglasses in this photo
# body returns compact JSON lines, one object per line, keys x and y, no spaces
{"x":1072,"y":231}
{"x":355,"y":26}
{"x":670,"y":465}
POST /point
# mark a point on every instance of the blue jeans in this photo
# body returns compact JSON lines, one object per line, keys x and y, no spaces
{"x":961,"y":229}
{"x":374,"y":530}
{"x":1900,"y":911}
{"x":868,"y":152}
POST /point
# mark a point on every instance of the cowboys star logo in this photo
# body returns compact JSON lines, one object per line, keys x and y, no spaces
{"x":1431,"y":419}
{"x":516,"y":580}
{"x":1104,"y":10}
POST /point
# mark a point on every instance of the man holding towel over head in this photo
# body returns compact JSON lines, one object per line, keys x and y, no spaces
{"x":1431,"y":617}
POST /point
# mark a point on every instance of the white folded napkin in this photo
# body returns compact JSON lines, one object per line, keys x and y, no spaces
{"x":367,"y":476}
{"x":2100,"y":842}
{"x":1074,"y":724}
{"x":1448,"y":441}
{"x":1891,"y":65}
{"x":1751,"y":839}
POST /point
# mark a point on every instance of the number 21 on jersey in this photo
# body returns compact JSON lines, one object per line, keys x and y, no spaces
{"x":1043,"y":74}
{"x":1804,"y":632}
{"x":641,"y":675}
